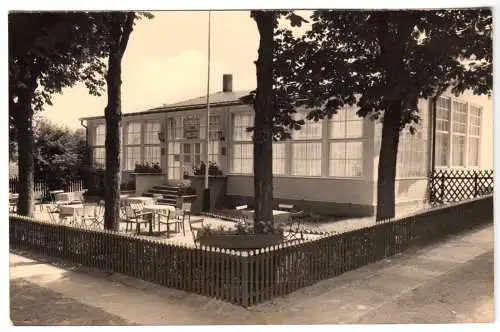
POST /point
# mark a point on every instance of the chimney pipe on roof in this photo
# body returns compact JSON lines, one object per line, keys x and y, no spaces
{"x":227,"y":83}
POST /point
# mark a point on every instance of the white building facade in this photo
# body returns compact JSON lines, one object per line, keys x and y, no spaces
{"x":328,"y":166}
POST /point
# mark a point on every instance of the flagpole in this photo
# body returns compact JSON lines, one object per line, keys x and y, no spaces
{"x":207,"y":134}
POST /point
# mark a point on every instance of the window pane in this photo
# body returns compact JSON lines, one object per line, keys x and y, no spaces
{"x":354,"y":129}
{"x":100,"y":135}
{"x":278,"y":158}
{"x":242,"y":158}
{"x":151,"y":134}
{"x":306,"y":159}
{"x":473,"y":151}
{"x":310,"y":129}
{"x":337,"y":129}
{"x":174,"y":128}
{"x":345,"y":124}
{"x":443,"y":111}
{"x":152,"y":154}
{"x":99,"y":158}
{"x":240,"y":124}
{"x":458,"y":152}
{"x":354,"y":150}
{"x":133,"y":157}
{"x":354,"y":168}
{"x":134,"y":133}
{"x":346,"y":159}
{"x":475,"y":120}
{"x":459,"y":117}
{"x":191,"y":127}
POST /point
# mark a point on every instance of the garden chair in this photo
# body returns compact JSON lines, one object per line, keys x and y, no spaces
{"x":178,"y":219}
{"x":53,"y":211}
{"x":293,"y":227}
{"x":130,"y":216}
{"x":195,"y":225}
{"x":170,"y":219}
{"x":88,"y":216}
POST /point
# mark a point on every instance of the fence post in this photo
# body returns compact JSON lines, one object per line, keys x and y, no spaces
{"x":443,"y":179}
{"x":245,"y":294}
{"x":475,"y":185}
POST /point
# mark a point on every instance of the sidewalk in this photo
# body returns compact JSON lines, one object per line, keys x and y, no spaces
{"x":448,"y":282}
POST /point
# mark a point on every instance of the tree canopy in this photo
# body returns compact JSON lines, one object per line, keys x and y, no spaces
{"x":382,"y":62}
{"x":378,"y":56}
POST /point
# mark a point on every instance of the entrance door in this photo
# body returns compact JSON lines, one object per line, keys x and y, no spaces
{"x":191,"y":156}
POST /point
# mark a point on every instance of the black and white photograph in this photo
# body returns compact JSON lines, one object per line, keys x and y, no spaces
{"x":260,"y":166}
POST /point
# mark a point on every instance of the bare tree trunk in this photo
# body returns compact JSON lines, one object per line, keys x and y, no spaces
{"x":263,"y":124}
{"x":386,"y":196}
{"x":23,"y":116}
{"x":122,"y":24}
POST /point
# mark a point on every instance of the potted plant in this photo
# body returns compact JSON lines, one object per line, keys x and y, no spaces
{"x":242,"y":236}
{"x":148,"y":168}
{"x":213,"y":169}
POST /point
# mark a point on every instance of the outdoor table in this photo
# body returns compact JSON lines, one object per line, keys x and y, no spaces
{"x":141,"y":200}
{"x":53,"y":193}
{"x":70,"y":211}
{"x":157,"y":208}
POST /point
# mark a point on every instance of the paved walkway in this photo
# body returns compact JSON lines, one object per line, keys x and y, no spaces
{"x":448,"y":282}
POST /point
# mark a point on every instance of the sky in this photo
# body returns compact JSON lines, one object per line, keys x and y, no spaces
{"x":166,"y":61}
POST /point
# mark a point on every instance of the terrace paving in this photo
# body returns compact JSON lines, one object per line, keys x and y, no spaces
{"x":329,"y":225}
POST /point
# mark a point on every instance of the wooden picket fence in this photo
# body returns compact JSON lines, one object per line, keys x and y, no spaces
{"x":246,"y":277}
{"x":454,"y":185}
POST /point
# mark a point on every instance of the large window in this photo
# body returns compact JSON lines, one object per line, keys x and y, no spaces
{"x":345,"y":133}
{"x":306,"y":158}
{"x":279,"y":158}
{"x":453,"y":117}
{"x":174,"y":160}
{"x":242,"y":159}
{"x":152,"y":144}
{"x":412,"y":149}
{"x":474,"y":134}
{"x":459,"y":133}
{"x":346,"y":159}
{"x":98,"y":149}
{"x":443,"y":119}
{"x":133,"y":147}
{"x":99,"y":157}
{"x":242,"y":149}
{"x":215,"y":130}
{"x":306,"y":147}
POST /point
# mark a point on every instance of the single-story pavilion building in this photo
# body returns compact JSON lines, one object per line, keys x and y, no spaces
{"x":328,"y":166}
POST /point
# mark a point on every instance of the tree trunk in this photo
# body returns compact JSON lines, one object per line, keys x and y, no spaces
{"x":122,"y":24}
{"x":262,"y":136}
{"x":386,"y":197}
{"x":23,"y":116}
{"x":113,"y":115}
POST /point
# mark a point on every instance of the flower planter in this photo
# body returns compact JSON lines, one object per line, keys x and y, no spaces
{"x":240,"y":241}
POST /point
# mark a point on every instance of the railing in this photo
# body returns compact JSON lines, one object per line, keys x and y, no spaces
{"x":42,"y":189}
{"x":454,"y":185}
{"x":246,"y":277}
